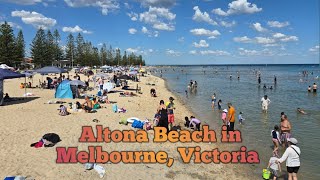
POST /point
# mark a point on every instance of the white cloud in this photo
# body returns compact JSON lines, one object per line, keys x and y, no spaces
{"x":23,"y":2}
{"x":238,"y":7}
{"x":202,"y":16}
{"x":214,"y":52}
{"x":181,"y":39}
{"x":278,"y":24}
{"x":201,"y":44}
{"x":278,"y":35}
{"x":150,"y":50}
{"x":76,"y":29}
{"x":105,"y":5}
{"x":271,"y":45}
{"x":144,"y":30}
{"x":246,"y":52}
{"x":257,"y":26}
{"x":171,"y":52}
{"x":35,"y":19}
{"x":194,"y":52}
{"x":100,"y":44}
{"x":314,"y":49}
{"x":289,"y":38}
{"x":133,"y":16}
{"x":243,"y":39}
{"x":12,"y":24}
{"x":158,"y":3}
{"x":132,"y":31}
{"x":132,"y":50}
{"x":227,"y":24}
{"x":264,"y":40}
{"x":127,"y":5}
{"x":159,"y":18}
{"x":205,"y":32}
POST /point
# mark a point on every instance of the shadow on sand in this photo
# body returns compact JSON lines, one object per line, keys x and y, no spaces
{"x":13,"y":101}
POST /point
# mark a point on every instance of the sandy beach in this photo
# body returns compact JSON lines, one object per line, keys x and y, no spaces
{"x":24,"y":123}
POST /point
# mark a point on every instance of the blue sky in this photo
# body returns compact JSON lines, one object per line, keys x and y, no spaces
{"x":181,"y":32}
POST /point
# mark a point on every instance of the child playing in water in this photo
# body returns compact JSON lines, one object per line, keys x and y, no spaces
{"x":274,"y":167}
{"x":240,"y":118}
{"x":276,"y":139}
{"x":224,"y":117}
{"x":219,"y":104}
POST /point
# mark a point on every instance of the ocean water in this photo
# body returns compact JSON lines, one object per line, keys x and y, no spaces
{"x":245,"y":94}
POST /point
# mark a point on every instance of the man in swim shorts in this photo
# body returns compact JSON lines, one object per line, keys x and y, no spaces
{"x":285,"y":130}
{"x":265,"y":101}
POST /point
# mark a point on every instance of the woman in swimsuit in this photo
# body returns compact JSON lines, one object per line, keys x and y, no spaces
{"x":213,"y":100}
{"x":162,"y":110}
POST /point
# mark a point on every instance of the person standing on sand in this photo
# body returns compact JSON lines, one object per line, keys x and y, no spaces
{"x":265,"y":101}
{"x":285,"y":127}
{"x":162,"y":111}
{"x":292,"y":157}
{"x":231,"y":117}
{"x":170,"y":107}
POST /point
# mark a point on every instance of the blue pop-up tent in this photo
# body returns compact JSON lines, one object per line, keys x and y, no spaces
{"x":64,"y":91}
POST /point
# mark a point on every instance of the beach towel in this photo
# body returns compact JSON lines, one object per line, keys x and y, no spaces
{"x":115,"y":108}
{"x":137,"y":124}
{"x":15,"y":178}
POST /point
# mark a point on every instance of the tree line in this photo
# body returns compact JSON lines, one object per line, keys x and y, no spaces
{"x":45,"y":49}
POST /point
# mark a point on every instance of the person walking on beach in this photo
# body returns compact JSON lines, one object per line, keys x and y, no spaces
{"x":213,"y":100}
{"x":292,"y":157}
{"x":265,"y":101}
{"x":231,"y":117}
{"x":285,"y":127}
{"x":276,"y":139}
{"x":170,"y":107}
{"x":162,"y":111}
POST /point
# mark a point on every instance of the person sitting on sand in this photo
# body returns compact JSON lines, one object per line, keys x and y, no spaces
{"x":153,"y":92}
{"x":87,"y":105}
{"x":6,"y":97}
{"x":299,"y":110}
{"x":105,"y":96}
{"x":195,"y":123}
{"x":63,"y":111}
{"x":96,"y":104}
{"x":21,"y":85}
{"x":186,"y":124}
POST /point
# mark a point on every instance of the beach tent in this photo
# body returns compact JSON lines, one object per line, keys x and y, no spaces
{"x":64,"y":91}
{"x":4,"y":66}
{"x":7,"y":74}
{"x":50,"y":69}
{"x":108,"y":86}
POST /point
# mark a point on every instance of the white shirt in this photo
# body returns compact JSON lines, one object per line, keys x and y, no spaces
{"x":273,"y":164}
{"x":291,"y":156}
{"x":265,"y":102}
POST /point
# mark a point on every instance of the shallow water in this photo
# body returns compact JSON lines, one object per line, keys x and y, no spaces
{"x":245,"y":94}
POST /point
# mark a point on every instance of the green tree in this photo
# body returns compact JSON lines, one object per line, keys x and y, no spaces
{"x":38,"y":48}
{"x":110,"y":56}
{"x":20,"y":47}
{"x":70,"y":47}
{"x":7,"y":44}
{"x":118,"y":57}
{"x":50,"y":48}
{"x":80,"y":49}
{"x":103,"y":54}
{"x":57,"y":49}
{"x":124,"y":59}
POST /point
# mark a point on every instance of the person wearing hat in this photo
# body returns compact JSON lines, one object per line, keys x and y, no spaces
{"x":170,"y":107}
{"x":292,"y":157}
{"x":224,"y":117}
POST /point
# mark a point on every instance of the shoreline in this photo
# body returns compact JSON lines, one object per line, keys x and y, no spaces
{"x":34,"y":119}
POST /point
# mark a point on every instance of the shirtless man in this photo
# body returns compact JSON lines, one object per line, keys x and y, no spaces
{"x":285,"y":130}
{"x":87,"y":105}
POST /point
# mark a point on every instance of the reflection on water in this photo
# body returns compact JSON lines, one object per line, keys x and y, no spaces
{"x":245,"y":94}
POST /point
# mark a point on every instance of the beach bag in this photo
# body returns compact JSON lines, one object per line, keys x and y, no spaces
{"x":96,"y":106}
{"x":137,"y":124}
{"x":115,"y":108}
{"x":266,"y":174}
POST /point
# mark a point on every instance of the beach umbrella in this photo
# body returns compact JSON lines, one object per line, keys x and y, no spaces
{"x":77,"y":83}
{"x":50,"y":69}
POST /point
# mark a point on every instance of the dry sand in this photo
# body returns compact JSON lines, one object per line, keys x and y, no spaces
{"x":25,"y":123}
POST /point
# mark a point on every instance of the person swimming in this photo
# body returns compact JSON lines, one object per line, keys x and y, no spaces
{"x":299,"y":110}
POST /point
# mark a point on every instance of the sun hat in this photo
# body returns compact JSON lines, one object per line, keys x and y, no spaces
{"x":225,"y":110}
{"x":293,"y":140}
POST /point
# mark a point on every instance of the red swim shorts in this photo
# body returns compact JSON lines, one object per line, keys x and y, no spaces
{"x":171,"y":118}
